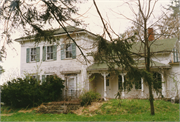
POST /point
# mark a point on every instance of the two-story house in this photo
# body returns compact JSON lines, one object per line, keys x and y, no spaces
{"x":64,"y":59}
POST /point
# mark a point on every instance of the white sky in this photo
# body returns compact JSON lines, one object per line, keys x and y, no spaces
{"x":93,"y":23}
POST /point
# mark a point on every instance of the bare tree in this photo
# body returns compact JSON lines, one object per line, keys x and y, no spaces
{"x":113,"y":56}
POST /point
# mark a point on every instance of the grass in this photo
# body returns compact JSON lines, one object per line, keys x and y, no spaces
{"x":130,"y":110}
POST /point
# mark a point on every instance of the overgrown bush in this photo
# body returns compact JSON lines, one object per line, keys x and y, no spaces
{"x":88,"y":97}
{"x":29,"y":92}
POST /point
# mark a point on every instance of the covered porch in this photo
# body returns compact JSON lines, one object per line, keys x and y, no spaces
{"x":108,"y":84}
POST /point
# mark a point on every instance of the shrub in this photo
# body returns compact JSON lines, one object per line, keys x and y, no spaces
{"x":28,"y":92}
{"x":88,"y":97}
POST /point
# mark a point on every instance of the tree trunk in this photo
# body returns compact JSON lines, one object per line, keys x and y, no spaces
{"x":151,"y":99}
{"x":147,"y":65}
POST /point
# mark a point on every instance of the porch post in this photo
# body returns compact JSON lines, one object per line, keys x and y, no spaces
{"x":123,"y":85}
{"x":122,"y":74}
{"x":142,"y":87}
{"x":104,"y":74}
{"x":163,"y":84}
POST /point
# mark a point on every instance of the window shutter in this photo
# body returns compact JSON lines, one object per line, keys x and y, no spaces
{"x":54,"y":52}
{"x":44,"y":53}
{"x":37,"y":54}
{"x":27,"y":55}
{"x":43,"y":78}
{"x":73,"y":50}
{"x":62,"y":52}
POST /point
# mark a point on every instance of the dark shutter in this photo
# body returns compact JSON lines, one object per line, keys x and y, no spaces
{"x":27,"y":55}
{"x":54,"y":52}
{"x":37,"y":54}
{"x":44,"y":53}
{"x":73,"y":50}
{"x":62,"y":52}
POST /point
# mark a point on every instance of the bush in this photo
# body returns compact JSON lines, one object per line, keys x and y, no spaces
{"x":28,"y":92}
{"x":89,"y":97}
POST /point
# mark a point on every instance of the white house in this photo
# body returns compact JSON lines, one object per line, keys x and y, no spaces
{"x":64,"y":59}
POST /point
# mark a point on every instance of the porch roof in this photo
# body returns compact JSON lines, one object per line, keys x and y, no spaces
{"x":139,"y":64}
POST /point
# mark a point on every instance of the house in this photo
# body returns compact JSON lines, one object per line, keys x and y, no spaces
{"x":64,"y":59}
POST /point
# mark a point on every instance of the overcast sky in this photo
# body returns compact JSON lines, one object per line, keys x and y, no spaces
{"x":109,"y":9}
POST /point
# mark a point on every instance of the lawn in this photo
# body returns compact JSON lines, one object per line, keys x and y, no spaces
{"x":130,"y":110}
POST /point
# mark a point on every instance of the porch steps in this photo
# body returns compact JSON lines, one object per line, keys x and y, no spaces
{"x":58,"y":107}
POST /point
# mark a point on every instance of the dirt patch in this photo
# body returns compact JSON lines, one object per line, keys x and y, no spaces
{"x":29,"y":110}
{"x":89,"y":110}
{"x":7,"y":114}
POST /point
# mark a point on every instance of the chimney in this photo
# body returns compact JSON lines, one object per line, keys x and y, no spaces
{"x":150,"y":34}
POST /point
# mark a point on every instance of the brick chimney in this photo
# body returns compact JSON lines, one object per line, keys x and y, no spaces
{"x":150,"y":34}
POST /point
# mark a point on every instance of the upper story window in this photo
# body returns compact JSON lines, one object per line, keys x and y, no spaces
{"x":175,"y":55}
{"x":49,"y":52}
{"x":32,"y":54}
{"x":68,"y":51}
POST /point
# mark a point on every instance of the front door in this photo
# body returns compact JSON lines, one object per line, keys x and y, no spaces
{"x":71,"y":86}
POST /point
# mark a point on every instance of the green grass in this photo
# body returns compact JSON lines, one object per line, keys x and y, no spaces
{"x":130,"y":110}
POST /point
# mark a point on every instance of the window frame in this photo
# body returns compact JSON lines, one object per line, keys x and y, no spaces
{"x":157,"y":76}
{"x":51,"y":53}
{"x":68,"y":51}
{"x":138,"y":85}
{"x":30,"y":54}
{"x":175,"y":55}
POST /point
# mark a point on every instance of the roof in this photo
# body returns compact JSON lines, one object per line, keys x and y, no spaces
{"x":140,"y":64}
{"x":59,"y":31}
{"x":164,"y":45}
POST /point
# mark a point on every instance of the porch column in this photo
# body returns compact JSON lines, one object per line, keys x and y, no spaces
{"x":142,"y":87}
{"x":123,"y":74}
{"x":104,"y":74}
{"x":163,"y":84}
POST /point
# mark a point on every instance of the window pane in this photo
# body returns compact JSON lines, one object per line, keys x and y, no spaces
{"x":33,"y":54}
{"x":68,"y":50}
{"x":119,"y":82}
{"x":49,"y":52}
{"x":107,"y":82}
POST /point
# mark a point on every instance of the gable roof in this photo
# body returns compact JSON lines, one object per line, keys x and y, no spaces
{"x":59,"y":31}
{"x":158,"y":46}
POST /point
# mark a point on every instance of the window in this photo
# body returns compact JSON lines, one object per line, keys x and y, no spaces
{"x":175,"y":55}
{"x":68,"y":51}
{"x":138,"y":84}
{"x":107,"y":80}
{"x":46,"y":77}
{"x":120,"y":82}
{"x":158,"y":80}
{"x":32,"y":54}
{"x":49,"y":52}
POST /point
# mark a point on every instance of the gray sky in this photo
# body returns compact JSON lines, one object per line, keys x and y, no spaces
{"x":109,"y":9}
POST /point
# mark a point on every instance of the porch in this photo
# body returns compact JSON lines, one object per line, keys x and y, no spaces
{"x":108,"y":83}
